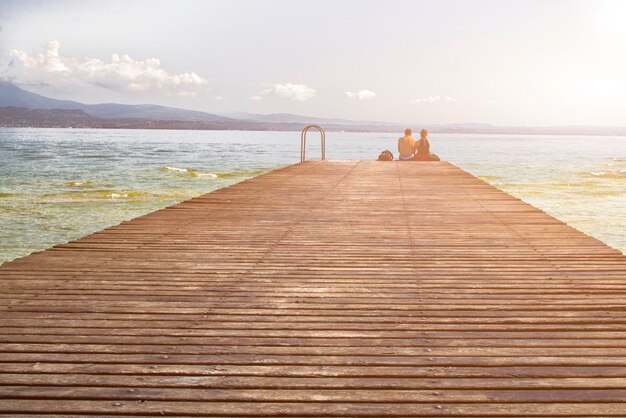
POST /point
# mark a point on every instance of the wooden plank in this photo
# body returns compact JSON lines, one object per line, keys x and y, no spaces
{"x":315,"y":409}
{"x":346,"y":288}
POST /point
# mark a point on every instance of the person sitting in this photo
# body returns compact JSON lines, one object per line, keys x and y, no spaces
{"x":423,"y":148}
{"x":406,"y":146}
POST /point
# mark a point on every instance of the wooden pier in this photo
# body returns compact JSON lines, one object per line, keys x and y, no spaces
{"x":344,"y":288}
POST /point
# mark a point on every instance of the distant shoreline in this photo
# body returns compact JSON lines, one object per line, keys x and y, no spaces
{"x":23,"y":109}
{"x":14,"y":117}
{"x":330,"y":128}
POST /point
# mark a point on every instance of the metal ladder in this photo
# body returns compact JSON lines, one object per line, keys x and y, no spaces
{"x":303,"y":141}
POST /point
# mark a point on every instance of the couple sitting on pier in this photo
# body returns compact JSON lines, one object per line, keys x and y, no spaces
{"x":412,"y":150}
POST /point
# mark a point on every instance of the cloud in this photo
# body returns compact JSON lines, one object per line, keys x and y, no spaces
{"x":256,"y":98}
{"x":122,"y":73}
{"x":361,"y":95}
{"x":296,"y":92}
{"x":433,"y":99}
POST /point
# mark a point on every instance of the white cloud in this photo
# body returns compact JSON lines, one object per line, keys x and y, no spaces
{"x":256,"y":98}
{"x":297,"y":92}
{"x":433,"y":99}
{"x":122,"y":73}
{"x":361,"y":95}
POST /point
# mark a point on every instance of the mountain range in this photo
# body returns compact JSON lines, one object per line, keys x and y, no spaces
{"x":12,"y":95}
{"x":22,"y":108}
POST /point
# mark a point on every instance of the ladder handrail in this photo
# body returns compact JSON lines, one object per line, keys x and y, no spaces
{"x":303,"y":141}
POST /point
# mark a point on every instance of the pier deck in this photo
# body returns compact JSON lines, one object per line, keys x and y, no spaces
{"x":322,"y":289}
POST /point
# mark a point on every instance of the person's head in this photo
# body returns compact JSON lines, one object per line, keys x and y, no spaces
{"x":408,"y":132}
{"x":423,"y":133}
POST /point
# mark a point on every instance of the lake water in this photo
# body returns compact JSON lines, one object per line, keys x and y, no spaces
{"x":60,"y":184}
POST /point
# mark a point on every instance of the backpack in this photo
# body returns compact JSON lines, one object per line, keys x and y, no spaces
{"x":386,"y":155}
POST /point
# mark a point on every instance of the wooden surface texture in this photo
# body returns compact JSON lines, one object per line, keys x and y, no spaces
{"x":337,"y":288}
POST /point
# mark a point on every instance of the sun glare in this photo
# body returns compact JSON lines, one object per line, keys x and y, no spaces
{"x":609,"y":20}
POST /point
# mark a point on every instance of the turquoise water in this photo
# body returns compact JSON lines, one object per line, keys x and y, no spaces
{"x":60,"y":184}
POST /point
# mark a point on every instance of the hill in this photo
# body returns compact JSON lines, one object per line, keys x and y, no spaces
{"x":21,"y":108}
{"x":12,"y":95}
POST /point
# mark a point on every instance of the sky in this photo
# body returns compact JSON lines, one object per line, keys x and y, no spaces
{"x":504,"y":62}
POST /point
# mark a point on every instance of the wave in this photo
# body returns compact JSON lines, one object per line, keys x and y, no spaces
{"x":209,"y":175}
{"x":79,"y":183}
{"x":191,"y":172}
{"x":179,"y":170}
{"x":612,"y":174}
{"x":105,"y":194}
{"x":242,"y":173}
